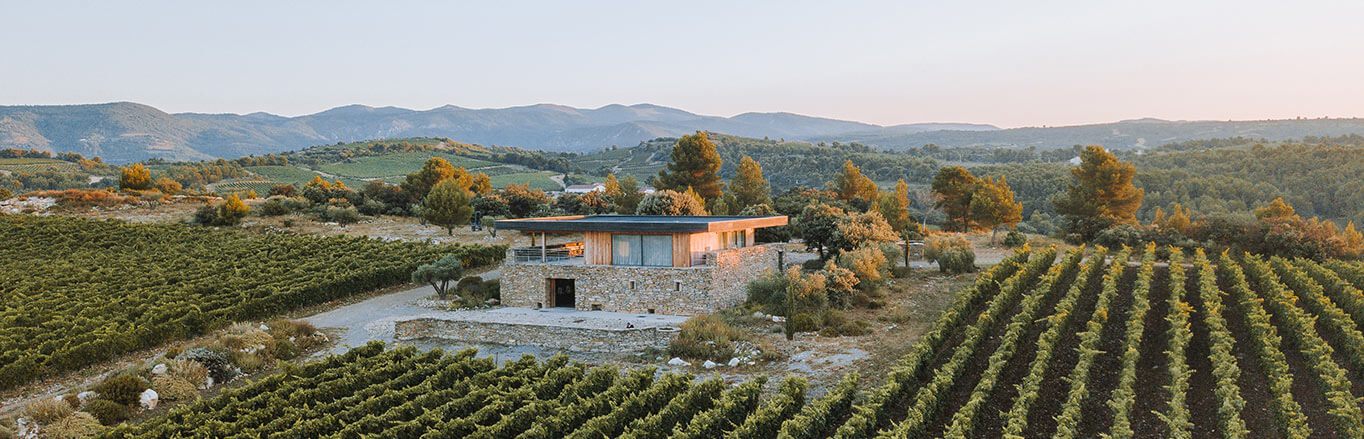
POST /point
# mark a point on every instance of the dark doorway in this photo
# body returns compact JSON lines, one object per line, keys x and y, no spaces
{"x":562,"y":289}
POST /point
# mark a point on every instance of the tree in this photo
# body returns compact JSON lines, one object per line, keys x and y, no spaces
{"x":894,"y":207}
{"x":953,"y":188}
{"x":1276,"y":211}
{"x":135,"y":177}
{"x":862,"y":229}
{"x":490,"y":205}
{"x":524,"y":201}
{"x":767,"y":234}
{"x":854,"y":187}
{"x":611,"y":187}
{"x":447,"y":205}
{"x":480,"y":184}
{"x":817,"y":225}
{"x":229,"y":213}
{"x":168,"y":186}
{"x":630,"y":195}
{"x":438,"y":274}
{"x":695,"y":164}
{"x":749,"y":187}
{"x":671,"y":203}
{"x":1100,"y":194}
{"x":993,"y":205}
{"x":435,"y":170}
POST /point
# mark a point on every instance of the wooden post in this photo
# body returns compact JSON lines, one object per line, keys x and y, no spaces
{"x":542,"y":247}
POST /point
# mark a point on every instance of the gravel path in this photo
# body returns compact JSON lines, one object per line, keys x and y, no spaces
{"x":373,"y":318}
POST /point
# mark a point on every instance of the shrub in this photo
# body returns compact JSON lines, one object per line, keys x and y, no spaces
{"x":78,"y":425}
{"x":1014,"y":239}
{"x":217,"y":363}
{"x":768,"y":292}
{"x":123,"y":388}
{"x":841,"y":284}
{"x":836,"y":324}
{"x":274,"y":206}
{"x":813,"y":264}
{"x":175,"y":389}
{"x":188,"y":371}
{"x":867,"y":263}
{"x":705,"y":337}
{"x":900,"y":272}
{"x":48,"y":410}
{"x":952,"y":253}
{"x":342,"y":215}
{"x":108,"y":412}
{"x":248,"y":362}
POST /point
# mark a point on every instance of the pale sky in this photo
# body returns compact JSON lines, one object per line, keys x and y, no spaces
{"x":1010,"y":63}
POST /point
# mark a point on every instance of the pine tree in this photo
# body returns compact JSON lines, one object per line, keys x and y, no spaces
{"x":749,"y":187}
{"x":993,"y":205}
{"x":435,"y":170}
{"x":854,"y":187}
{"x":1101,"y":193}
{"x":447,"y":205}
{"x":630,"y":195}
{"x":695,"y":164}
{"x":954,"y":186}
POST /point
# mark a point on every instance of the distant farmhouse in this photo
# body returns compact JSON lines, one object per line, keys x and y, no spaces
{"x":680,"y":265}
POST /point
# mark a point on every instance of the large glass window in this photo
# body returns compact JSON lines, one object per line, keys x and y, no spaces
{"x":648,"y":250}
{"x":735,"y":239}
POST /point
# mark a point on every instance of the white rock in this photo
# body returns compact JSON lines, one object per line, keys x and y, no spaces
{"x":759,"y":315}
{"x":208,"y":383}
{"x":86,"y":395}
{"x":159,"y":369}
{"x":709,"y":364}
{"x":678,"y":362}
{"x":264,"y":328}
{"x":778,"y":319}
{"x":733,"y":361}
{"x":149,"y":399}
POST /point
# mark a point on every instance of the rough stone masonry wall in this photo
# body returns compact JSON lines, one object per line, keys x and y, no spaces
{"x":552,"y":337}
{"x":666,"y":290}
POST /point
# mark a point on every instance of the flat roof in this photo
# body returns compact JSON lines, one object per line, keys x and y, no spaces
{"x":641,"y":223}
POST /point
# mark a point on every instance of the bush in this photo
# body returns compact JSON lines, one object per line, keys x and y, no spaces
{"x":705,"y":337}
{"x":108,"y":412}
{"x":248,"y":362}
{"x":840,"y":284}
{"x":48,"y":410}
{"x":1014,"y":239}
{"x":123,"y":388}
{"x":217,"y":363}
{"x":811,"y":265}
{"x":838,"y":325}
{"x":342,"y":215}
{"x":172,"y":388}
{"x":275,"y":206}
{"x":769,"y":293}
{"x":952,"y":253}
{"x":868,"y":263}
{"x":189,"y":371}
{"x":901,"y":272}
{"x":78,"y":425}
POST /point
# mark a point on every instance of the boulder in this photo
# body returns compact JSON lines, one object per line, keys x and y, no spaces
{"x":678,"y":362}
{"x":159,"y":369}
{"x":149,"y":399}
{"x":734,"y":362}
{"x":709,"y":364}
{"x":264,"y":328}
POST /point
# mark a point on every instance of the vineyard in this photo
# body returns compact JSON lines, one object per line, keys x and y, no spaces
{"x":75,"y":292}
{"x":1115,"y":344}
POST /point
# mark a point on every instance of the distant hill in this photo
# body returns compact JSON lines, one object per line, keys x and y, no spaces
{"x":123,"y":131}
{"x":1119,"y":135}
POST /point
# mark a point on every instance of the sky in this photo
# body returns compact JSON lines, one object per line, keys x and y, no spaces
{"x":1008,"y":63}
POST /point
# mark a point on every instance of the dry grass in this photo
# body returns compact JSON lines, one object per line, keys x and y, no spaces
{"x":48,"y":411}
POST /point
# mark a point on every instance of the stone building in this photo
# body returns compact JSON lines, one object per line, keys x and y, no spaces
{"x":678,"y":265}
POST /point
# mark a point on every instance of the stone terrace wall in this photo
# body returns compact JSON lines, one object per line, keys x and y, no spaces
{"x":552,"y":337}
{"x":665,"y":290}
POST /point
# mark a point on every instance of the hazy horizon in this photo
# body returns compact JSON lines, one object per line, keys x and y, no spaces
{"x":1001,"y":63}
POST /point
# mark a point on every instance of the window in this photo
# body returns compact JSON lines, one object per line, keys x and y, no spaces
{"x":735,"y":239}
{"x":647,"y":250}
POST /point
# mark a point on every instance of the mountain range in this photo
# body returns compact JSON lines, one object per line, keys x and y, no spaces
{"x":123,"y":131}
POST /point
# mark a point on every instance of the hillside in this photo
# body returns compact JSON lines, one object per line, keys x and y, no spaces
{"x":124,"y":132}
{"x":1118,"y":135}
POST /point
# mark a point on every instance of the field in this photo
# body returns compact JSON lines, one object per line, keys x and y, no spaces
{"x":77,"y":292}
{"x":27,"y":164}
{"x":1039,"y":346}
{"x":396,"y":164}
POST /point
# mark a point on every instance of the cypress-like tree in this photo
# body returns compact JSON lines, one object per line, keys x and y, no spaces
{"x":695,"y":164}
{"x":894,"y":207}
{"x":749,"y":187}
{"x":447,"y":205}
{"x":1101,"y":194}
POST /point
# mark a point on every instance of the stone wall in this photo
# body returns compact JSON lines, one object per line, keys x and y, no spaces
{"x":552,"y":337}
{"x":665,"y":290}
